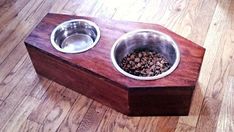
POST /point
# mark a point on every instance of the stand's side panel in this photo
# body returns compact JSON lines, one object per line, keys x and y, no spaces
{"x":160,"y":101}
{"x":78,"y":80}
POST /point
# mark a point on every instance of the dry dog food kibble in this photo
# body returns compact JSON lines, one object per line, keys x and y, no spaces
{"x":145,"y":63}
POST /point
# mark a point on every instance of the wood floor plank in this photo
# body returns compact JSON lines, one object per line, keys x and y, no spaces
{"x":20,"y":115}
{"x":92,"y":118}
{"x":41,"y":89}
{"x":131,"y":124}
{"x":89,"y":7}
{"x":75,"y":116}
{"x":167,"y":124}
{"x":212,"y":45}
{"x":9,"y":9}
{"x":223,"y":62}
{"x":57,"y":102}
{"x":231,"y":70}
{"x":21,"y":90}
{"x":30,"y":126}
{"x":201,"y":16}
{"x":10,"y":62}
{"x":21,"y":25}
{"x":226,"y":118}
{"x":172,"y":13}
{"x":209,"y":114}
{"x":71,"y":6}
{"x":231,"y":9}
{"x":184,"y":128}
{"x":147,"y":124}
{"x":134,"y":13}
{"x":108,"y":121}
{"x":14,"y":76}
{"x":58,"y":5}
{"x":120,"y":123}
{"x":51,"y":97}
{"x":55,"y":117}
{"x":102,"y":9}
{"x":218,"y":82}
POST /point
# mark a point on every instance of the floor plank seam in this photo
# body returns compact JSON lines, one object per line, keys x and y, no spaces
{"x":203,"y":100}
{"x":15,"y":86}
{"x":16,"y":65}
{"x":84,"y":115}
{"x":11,"y":52}
{"x":34,"y":121}
{"x":43,"y":101}
{"x":210,"y":22}
{"x":12,"y":114}
{"x":41,"y":98}
{"x":101,"y":120}
{"x":67,"y":115}
{"x":38,"y":7}
{"x":62,"y":92}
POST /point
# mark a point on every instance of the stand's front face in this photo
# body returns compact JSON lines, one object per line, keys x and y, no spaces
{"x":92,"y":73}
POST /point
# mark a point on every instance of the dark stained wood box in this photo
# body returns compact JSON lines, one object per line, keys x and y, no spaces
{"x":92,"y":73}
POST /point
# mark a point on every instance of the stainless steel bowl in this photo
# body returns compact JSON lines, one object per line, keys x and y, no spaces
{"x":75,"y":36}
{"x":145,"y":39}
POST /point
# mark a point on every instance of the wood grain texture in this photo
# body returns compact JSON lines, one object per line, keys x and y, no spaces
{"x":20,"y":114}
{"x":30,"y":126}
{"x":212,"y":45}
{"x":11,"y":61}
{"x":120,"y":123}
{"x":22,"y":89}
{"x":75,"y":116}
{"x":108,"y":121}
{"x":167,"y":124}
{"x":204,"y":22}
{"x":52,"y":97}
{"x":92,"y":118}
{"x":14,"y":76}
{"x":41,"y":88}
{"x":54,"y":108}
{"x":163,"y":101}
{"x":147,"y":124}
{"x":190,"y":61}
{"x":59,"y":111}
{"x":94,"y":87}
{"x":225,"y":119}
{"x":92,"y":80}
{"x":223,"y":62}
{"x":20,"y":22}
{"x":132,"y":124}
{"x":184,"y":128}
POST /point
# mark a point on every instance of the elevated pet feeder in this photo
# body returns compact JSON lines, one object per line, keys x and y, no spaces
{"x":83,"y":53}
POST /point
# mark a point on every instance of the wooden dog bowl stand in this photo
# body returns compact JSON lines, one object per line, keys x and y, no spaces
{"x":92,"y":73}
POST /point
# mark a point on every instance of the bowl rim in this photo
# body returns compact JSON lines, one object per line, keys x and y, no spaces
{"x":167,"y":37}
{"x":61,"y":25}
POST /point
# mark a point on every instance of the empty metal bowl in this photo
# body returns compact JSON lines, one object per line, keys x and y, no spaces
{"x":145,"y":39}
{"x":75,"y":36}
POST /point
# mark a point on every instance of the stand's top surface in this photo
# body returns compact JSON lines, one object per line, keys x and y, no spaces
{"x":97,"y":60}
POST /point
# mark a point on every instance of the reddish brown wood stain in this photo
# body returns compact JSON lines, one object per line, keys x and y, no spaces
{"x":92,"y":73}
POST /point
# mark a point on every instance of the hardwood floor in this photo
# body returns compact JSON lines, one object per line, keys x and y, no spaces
{"x":29,"y":102}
